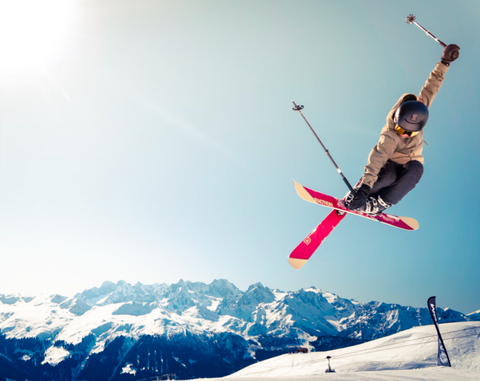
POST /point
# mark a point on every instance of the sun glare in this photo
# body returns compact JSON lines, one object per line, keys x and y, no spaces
{"x":33,"y":34}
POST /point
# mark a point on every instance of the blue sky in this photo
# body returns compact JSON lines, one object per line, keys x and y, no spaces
{"x":155,"y":141}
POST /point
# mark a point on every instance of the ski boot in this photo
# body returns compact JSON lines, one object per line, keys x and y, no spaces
{"x":348,"y":199}
{"x":375,"y":206}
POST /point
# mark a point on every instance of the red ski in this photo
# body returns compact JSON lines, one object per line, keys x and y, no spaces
{"x":307,"y":247}
{"x":310,"y":195}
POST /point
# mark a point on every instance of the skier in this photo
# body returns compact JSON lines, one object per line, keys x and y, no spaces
{"x":395,"y":164}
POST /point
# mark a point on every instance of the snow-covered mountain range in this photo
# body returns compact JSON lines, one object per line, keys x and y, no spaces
{"x":193,"y":329}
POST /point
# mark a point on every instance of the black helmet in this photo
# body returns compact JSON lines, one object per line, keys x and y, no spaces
{"x":411,"y":116}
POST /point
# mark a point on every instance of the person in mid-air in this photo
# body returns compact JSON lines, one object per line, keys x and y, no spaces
{"x":395,"y":164}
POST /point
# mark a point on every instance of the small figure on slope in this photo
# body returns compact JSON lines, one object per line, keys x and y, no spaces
{"x":395,"y":164}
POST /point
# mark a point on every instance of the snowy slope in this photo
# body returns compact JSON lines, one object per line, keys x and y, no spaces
{"x":408,"y":355}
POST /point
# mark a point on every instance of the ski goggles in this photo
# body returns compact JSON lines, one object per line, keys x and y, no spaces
{"x":404,"y":133}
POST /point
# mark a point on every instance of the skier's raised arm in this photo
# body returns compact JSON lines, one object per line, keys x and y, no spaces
{"x":434,"y":81}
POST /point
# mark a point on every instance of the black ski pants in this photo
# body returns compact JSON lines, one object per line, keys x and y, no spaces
{"x":396,"y":180}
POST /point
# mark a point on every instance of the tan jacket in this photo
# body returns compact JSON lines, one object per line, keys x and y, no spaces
{"x":391,"y":145}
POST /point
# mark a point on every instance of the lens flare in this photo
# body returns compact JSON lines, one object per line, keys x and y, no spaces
{"x":33,"y":34}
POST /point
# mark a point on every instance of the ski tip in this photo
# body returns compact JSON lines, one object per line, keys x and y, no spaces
{"x":296,"y":263}
{"x":411,"y":222}
{"x":302,"y":192}
{"x":296,"y":185}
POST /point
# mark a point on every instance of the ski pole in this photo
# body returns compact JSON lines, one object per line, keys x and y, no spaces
{"x":411,"y":20}
{"x":299,"y":109}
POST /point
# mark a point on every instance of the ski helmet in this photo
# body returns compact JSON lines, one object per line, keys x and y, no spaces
{"x":411,"y":116}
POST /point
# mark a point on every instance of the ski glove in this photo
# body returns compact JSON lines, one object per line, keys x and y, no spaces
{"x":450,"y":54}
{"x":360,"y":198}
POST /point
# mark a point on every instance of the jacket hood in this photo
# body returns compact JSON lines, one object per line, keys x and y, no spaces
{"x":404,"y":98}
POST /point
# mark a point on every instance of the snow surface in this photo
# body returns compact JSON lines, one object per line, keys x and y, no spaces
{"x":55,"y":355}
{"x":128,"y":370}
{"x":408,"y":355}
